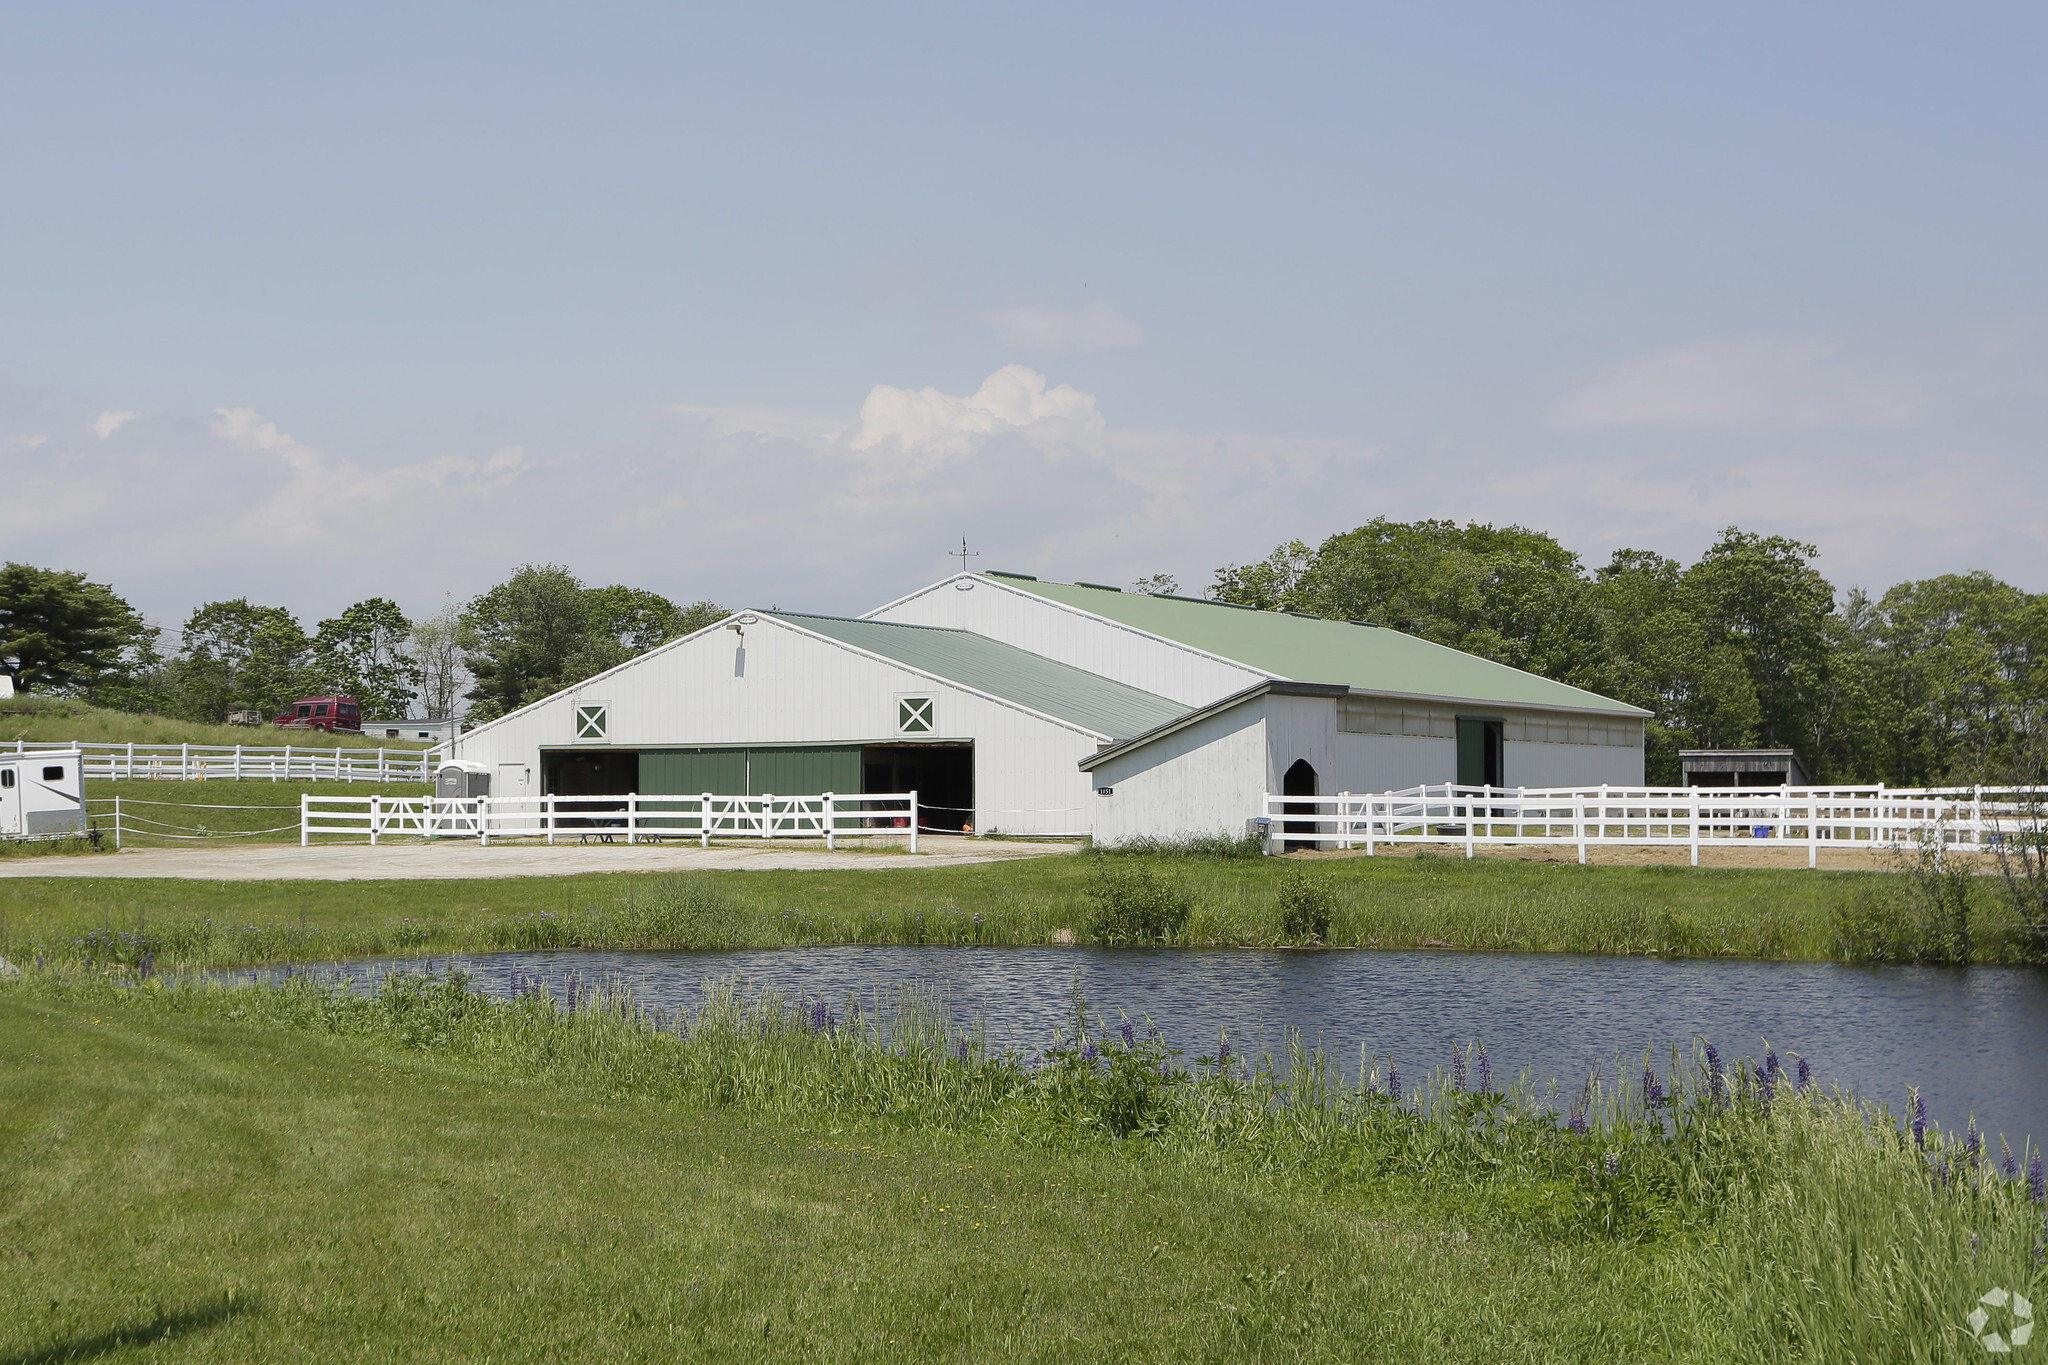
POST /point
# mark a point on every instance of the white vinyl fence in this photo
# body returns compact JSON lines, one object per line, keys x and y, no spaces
{"x":633,"y":819}
{"x":1967,"y":819}
{"x":279,"y":763}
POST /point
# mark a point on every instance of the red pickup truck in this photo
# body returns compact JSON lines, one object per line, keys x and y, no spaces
{"x":323,"y":713}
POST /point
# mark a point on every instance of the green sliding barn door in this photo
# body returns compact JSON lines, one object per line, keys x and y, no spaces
{"x":806,"y":771}
{"x":689,"y":772}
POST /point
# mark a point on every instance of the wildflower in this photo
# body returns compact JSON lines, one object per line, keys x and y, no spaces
{"x":2037,"y":1188}
{"x":1223,"y":1051}
{"x":1458,"y":1070}
{"x":2009,"y":1166}
{"x":1805,"y":1075}
{"x":1653,"y":1089}
{"x":1130,"y":1034}
{"x":1771,"y":1067}
{"x":1577,"y":1121}
{"x":1089,"y":1052}
{"x":963,"y":1049}
{"x":1918,"y":1107}
{"x":1394,"y":1083}
{"x":1973,"y":1141}
{"x":1613,"y":1165}
{"x":1485,"y":1070}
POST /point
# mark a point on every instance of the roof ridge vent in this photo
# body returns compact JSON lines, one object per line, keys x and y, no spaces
{"x":1102,"y":586}
{"x":1305,"y":615}
{"x":1004,"y":573}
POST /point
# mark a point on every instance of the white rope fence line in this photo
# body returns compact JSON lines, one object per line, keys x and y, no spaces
{"x":126,"y":823}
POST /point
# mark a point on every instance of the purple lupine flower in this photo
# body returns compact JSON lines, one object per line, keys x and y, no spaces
{"x":1805,"y":1075}
{"x":2009,"y":1166}
{"x":1089,"y":1052}
{"x":2037,"y":1188}
{"x":1771,"y":1066}
{"x":1613,"y":1165}
{"x":1713,"y":1060}
{"x":1577,"y":1121}
{"x":1130,"y":1034}
{"x":963,"y":1049}
{"x":1394,"y":1083}
{"x":1223,"y":1051}
{"x":821,"y":1016}
{"x":1919,"y":1120}
{"x":1973,"y":1141}
{"x":1767,"y":1081}
{"x":1485,"y":1070}
{"x":1458,"y":1070}
{"x":1653,"y":1089}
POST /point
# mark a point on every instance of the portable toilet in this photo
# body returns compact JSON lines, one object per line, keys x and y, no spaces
{"x":42,"y":795}
{"x":462,"y":779}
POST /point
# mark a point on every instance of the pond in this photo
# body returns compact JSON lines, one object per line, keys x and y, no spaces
{"x":1971,"y":1038}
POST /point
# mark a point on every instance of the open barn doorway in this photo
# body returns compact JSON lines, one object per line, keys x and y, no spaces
{"x":942,"y":775}
{"x":1299,"y":780}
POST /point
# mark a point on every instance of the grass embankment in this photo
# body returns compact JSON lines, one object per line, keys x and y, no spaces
{"x":1378,"y":903}
{"x":287,"y":1174}
{"x":184,"y":814}
{"x":55,"y":719}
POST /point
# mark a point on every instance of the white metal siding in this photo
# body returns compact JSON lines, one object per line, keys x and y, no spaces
{"x":1570,"y":765}
{"x":1379,"y":763}
{"x":1206,"y":779}
{"x":1059,"y":632}
{"x":789,"y":687}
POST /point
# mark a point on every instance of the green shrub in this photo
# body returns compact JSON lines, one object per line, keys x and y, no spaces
{"x":1306,"y":907}
{"x":1133,"y":904}
{"x":1205,"y":846}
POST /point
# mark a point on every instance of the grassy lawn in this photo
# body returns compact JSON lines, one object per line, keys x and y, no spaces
{"x":197,"y":1186}
{"x":160,"y":814}
{"x":58,"y":719}
{"x":1378,"y":903}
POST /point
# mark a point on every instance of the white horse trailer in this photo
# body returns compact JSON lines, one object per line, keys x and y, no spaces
{"x":42,"y":795}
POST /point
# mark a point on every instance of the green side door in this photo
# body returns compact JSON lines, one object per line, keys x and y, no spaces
{"x":1471,"y":752}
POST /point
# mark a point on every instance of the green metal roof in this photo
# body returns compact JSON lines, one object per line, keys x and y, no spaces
{"x":1309,"y":649}
{"x":1096,"y":703}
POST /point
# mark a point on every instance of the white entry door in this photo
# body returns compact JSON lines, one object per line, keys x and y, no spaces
{"x":10,"y":799}
{"x":510,"y":781}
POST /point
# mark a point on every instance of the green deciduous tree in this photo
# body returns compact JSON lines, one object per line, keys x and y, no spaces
{"x":517,"y":638}
{"x":61,"y":632}
{"x":236,"y":654}
{"x":365,"y":653}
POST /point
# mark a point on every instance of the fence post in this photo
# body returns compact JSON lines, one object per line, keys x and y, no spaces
{"x":238,"y":763}
{"x":1977,"y":816}
{"x":831,"y":824}
{"x":184,"y":762}
{"x":1371,"y":810}
{"x":305,"y":834}
{"x":633,"y":817}
{"x":913,"y":822}
{"x":1579,"y":823}
{"x":548,"y":814}
{"x":483,"y":821}
{"x":1695,"y":826}
{"x":287,"y":764}
{"x":376,"y":808}
{"x":117,"y":824}
{"x":704,"y":820}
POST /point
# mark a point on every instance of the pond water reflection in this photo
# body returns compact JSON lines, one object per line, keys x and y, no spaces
{"x":1970,"y":1038}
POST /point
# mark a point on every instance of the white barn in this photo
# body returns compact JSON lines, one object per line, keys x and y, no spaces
{"x":1024,"y":707}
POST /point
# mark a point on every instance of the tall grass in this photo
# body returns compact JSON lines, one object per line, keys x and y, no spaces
{"x":1794,"y":1222}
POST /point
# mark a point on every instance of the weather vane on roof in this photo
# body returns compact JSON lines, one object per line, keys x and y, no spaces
{"x":963,"y":554}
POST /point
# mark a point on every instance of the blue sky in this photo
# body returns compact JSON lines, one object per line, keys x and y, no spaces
{"x":773,"y":306}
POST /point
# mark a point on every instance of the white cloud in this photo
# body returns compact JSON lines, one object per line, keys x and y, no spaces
{"x":110,"y":422}
{"x":1095,"y":326}
{"x":1770,"y":382}
{"x":1013,"y":400}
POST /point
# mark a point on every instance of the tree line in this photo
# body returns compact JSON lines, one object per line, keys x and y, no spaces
{"x":540,"y":630}
{"x":1941,"y":679}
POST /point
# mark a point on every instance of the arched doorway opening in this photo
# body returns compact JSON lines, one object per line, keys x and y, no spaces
{"x":1299,"y":780}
